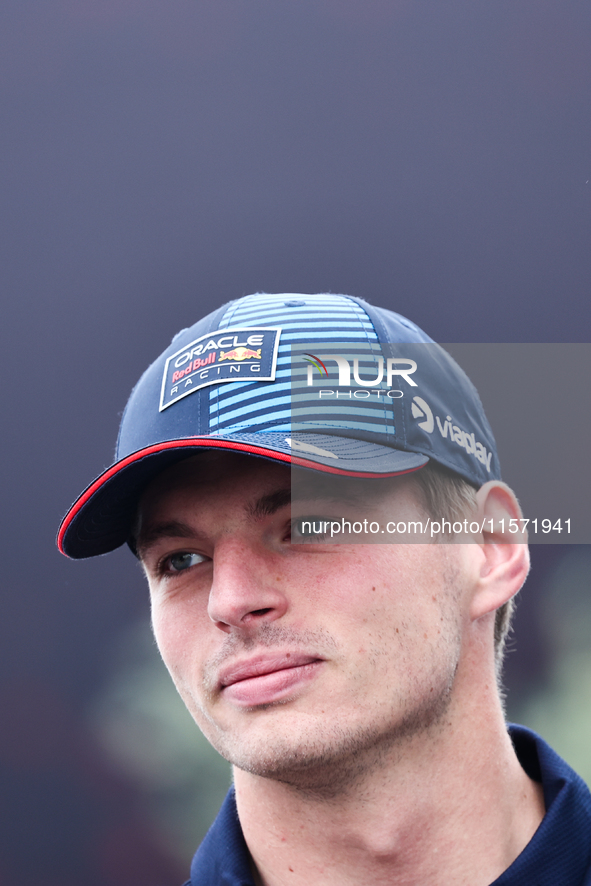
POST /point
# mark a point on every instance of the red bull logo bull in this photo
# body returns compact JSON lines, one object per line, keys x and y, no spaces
{"x":240,"y":354}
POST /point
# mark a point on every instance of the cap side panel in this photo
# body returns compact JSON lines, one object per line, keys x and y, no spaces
{"x":211,"y":321}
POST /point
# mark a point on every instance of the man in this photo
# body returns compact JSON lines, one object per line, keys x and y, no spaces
{"x":313,"y":490}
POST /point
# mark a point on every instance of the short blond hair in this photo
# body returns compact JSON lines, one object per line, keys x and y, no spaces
{"x":447,"y":496}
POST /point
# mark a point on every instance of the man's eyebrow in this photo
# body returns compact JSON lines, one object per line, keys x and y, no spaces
{"x":155,"y":531}
{"x":265,"y":506}
{"x":269,"y":504}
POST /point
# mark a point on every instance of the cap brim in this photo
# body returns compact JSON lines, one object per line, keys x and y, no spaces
{"x":100,"y":519}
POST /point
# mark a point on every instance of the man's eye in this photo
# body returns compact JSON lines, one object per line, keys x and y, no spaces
{"x":309,"y":529}
{"x":181,"y":562}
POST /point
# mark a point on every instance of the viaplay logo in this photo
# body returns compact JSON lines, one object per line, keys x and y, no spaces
{"x":244,"y":354}
{"x":449,"y":431}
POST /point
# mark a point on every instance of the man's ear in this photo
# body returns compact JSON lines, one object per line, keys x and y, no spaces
{"x":504,"y":560}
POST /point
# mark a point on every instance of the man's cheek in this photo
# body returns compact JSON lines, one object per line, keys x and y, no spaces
{"x":172,"y":640}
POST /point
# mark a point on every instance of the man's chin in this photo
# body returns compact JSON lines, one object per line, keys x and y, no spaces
{"x":325,"y":759}
{"x":324,"y":764}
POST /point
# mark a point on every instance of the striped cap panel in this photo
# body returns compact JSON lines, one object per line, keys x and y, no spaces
{"x":275,"y":406}
{"x":320,"y":402}
{"x":269,"y":406}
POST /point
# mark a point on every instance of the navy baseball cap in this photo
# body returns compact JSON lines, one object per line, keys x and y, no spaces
{"x":325,"y":382}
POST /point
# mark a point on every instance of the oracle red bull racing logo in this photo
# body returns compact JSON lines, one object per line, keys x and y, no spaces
{"x":245,"y":354}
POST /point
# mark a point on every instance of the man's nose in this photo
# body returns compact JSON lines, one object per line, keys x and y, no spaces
{"x":245,"y":590}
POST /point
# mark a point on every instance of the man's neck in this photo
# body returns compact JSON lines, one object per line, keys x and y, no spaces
{"x":454,"y":807}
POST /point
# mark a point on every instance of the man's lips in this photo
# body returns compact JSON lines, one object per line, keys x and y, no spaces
{"x":263,"y":664}
{"x":267,"y":678}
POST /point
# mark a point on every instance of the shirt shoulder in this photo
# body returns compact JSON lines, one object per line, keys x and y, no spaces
{"x":560,"y":850}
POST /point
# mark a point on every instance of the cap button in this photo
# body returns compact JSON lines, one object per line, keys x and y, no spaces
{"x":294,"y":304}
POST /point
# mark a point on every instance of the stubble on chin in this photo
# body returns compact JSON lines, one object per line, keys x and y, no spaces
{"x":334,"y":759}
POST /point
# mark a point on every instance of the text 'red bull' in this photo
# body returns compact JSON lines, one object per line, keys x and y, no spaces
{"x":194,"y":366}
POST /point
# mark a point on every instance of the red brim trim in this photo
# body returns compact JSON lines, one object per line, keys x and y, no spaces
{"x":210,"y":443}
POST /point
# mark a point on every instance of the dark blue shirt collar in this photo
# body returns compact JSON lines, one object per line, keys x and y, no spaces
{"x":223,"y":858}
{"x":559,"y":854}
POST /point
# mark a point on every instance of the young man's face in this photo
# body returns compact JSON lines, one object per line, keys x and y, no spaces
{"x":298,"y":661}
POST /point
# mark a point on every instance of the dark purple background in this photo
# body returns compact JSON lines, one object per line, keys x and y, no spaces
{"x":159,"y":157}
